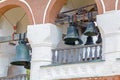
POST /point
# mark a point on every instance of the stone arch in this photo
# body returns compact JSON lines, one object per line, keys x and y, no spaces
{"x":55,"y":7}
{"x":53,"y":10}
{"x":9,"y":4}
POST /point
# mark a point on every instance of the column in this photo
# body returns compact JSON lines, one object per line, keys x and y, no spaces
{"x":43,"y":38}
{"x":109,"y":24}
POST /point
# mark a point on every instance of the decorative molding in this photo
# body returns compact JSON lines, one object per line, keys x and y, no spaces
{"x":40,"y":61}
{"x":103,"y":5}
{"x":30,"y":10}
{"x":111,"y":52}
{"x":45,"y":12}
{"x":116,"y":4}
{"x":112,"y":34}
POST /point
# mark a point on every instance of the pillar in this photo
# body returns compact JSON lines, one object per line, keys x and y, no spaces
{"x":108,"y":21}
{"x":42,"y":38}
{"x":109,"y":24}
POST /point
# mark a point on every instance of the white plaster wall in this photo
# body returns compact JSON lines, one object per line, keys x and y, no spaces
{"x":109,"y":24}
{"x":15,"y":70}
{"x":5,"y":28}
{"x":4,"y":63}
{"x":6,"y":54}
{"x":48,"y":34}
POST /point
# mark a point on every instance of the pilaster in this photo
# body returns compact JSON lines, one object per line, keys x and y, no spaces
{"x":109,"y":25}
{"x":43,"y":38}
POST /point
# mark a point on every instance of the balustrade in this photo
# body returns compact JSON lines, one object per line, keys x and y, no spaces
{"x":79,"y":54}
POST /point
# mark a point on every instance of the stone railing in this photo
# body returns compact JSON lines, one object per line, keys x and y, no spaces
{"x":78,"y":54}
{"x":17,"y":77}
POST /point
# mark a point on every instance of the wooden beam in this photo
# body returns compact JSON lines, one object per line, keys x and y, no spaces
{"x":4,"y":39}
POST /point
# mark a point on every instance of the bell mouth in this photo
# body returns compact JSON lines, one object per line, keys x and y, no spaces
{"x":19,"y":63}
{"x":72,"y":41}
{"x":91,"y":33}
{"x":27,"y":65}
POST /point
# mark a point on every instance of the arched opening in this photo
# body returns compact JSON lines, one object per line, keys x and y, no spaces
{"x":75,"y":8}
{"x":82,"y":14}
{"x":9,"y":4}
{"x":56,"y":6}
{"x":14,"y":20}
{"x":14,"y":17}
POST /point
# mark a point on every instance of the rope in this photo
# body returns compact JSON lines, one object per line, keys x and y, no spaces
{"x":8,"y":20}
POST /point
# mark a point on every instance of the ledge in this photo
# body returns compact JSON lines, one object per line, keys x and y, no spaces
{"x":80,"y":70}
{"x":53,"y":65}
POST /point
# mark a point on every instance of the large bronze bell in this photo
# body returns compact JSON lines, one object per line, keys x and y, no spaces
{"x":72,"y":35}
{"x":22,"y":54}
{"x":99,"y":40}
{"x":89,"y":40}
{"x":91,"y":29}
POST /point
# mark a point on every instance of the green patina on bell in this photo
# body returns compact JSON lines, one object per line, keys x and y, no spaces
{"x":91,"y":29}
{"x":22,"y":55}
{"x":72,"y":35}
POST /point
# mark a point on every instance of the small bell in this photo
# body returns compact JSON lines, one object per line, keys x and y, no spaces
{"x":89,"y":40}
{"x":72,"y":37}
{"x":91,"y":29}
